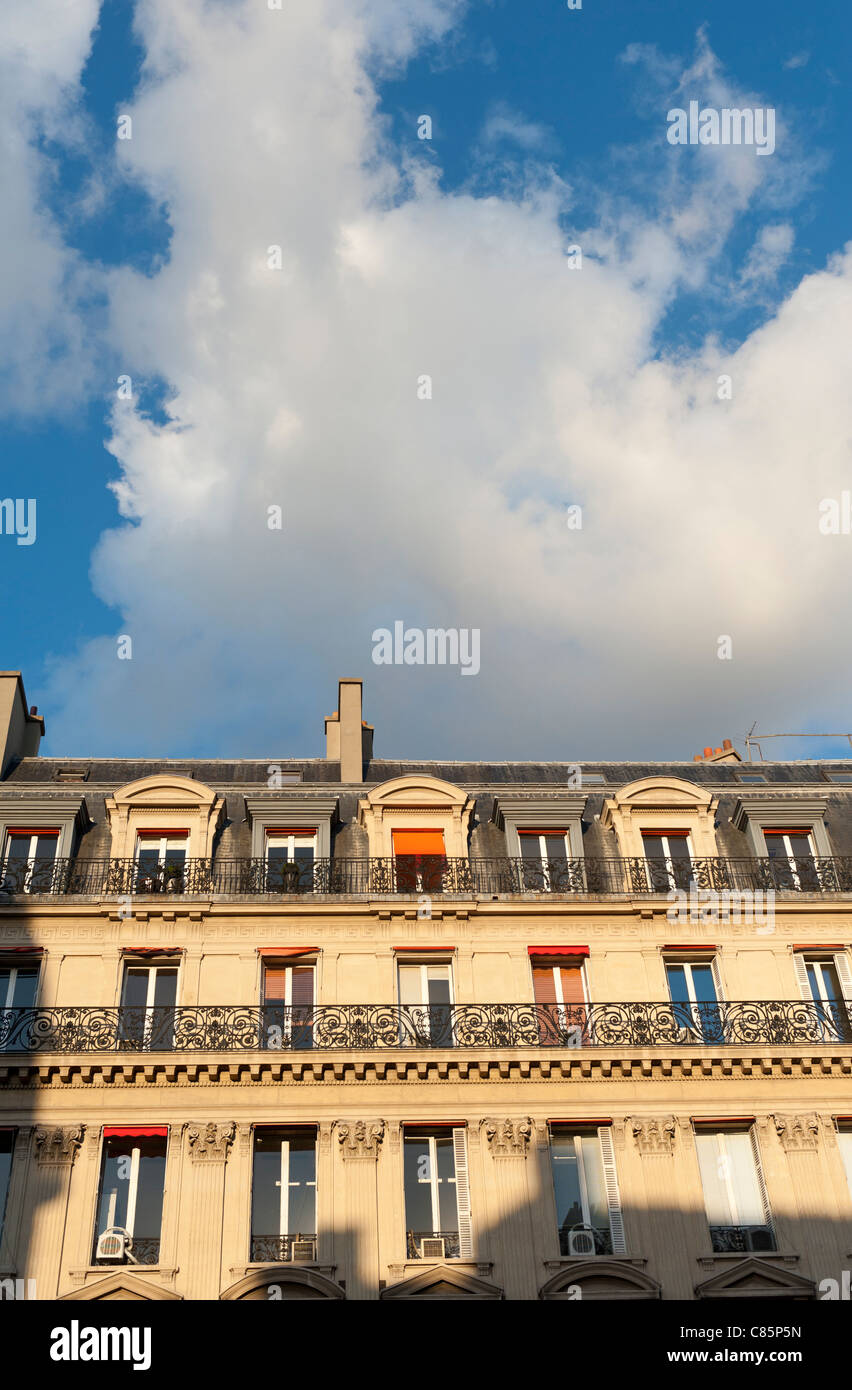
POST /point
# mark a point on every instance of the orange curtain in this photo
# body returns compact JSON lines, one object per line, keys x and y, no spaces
{"x":418,"y":842}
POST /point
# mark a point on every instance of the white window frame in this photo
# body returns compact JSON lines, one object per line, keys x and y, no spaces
{"x":561,"y":1006}
{"x":274,"y":840}
{"x":542,"y":837}
{"x":13,"y":976}
{"x":285,"y":1184}
{"x":423,"y":1020}
{"x":288,"y":967}
{"x":840,"y":961}
{"x":768,"y":833}
{"x":165,"y":843}
{"x":132,"y":1189}
{"x":149,"y":1005}
{"x":460,"y":1179}
{"x":720,"y":1136}
{"x":11,"y":834}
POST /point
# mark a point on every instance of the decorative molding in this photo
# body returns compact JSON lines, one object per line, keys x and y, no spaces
{"x":797,"y":1131}
{"x":211,"y":1142}
{"x":57,"y":1147}
{"x":361,"y":1138}
{"x":654,"y":1135}
{"x":508,"y":1138}
{"x":244,"y":1134}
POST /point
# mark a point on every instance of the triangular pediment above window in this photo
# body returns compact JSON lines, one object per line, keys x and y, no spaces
{"x":751,"y":1278}
{"x":442,"y":1281}
{"x":585,"y":1280}
{"x":122,"y":1285}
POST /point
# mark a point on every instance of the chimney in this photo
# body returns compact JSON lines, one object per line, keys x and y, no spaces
{"x":348,"y":740}
{"x":726,"y":754}
{"x":20,"y":732}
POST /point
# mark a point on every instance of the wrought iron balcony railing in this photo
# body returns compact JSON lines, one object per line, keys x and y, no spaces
{"x":278,"y":1249}
{"x":427,"y":874}
{"x":417,"y":1251}
{"x":284,"y":1028}
{"x":737,"y":1240}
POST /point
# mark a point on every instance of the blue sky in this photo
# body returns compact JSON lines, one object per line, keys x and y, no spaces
{"x":552,"y":120}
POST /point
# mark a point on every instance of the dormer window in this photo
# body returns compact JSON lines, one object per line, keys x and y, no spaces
{"x":420,"y":860}
{"x":669,"y":857}
{"x":792,"y":856}
{"x":296,"y":848}
{"x":545,"y":855}
{"x":29,"y":857}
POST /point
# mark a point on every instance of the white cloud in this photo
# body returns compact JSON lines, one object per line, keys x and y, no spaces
{"x":798,"y":60}
{"x":298,"y":388}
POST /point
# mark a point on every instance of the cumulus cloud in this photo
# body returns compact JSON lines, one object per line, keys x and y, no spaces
{"x":297,"y":387}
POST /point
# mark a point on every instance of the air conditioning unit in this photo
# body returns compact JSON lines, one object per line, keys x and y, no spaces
{"x":432,"y":1248}
{"x":581,"y":1241}
{"x":760,"y":1238}
{"x":113,"y":1244}
{"x":303,"y":1252}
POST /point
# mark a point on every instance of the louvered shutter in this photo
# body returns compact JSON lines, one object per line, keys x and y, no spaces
{"x":463,"y":1194}
{"x":717,"y":978}
{"x":761,"y":1181}
{"x":802,"y":976}
{"x":616,"y":1221}
{"x":844,"y":974}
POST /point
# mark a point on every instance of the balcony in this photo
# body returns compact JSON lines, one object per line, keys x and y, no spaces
{"x":358,"y":1027}
{"x":429,"y":875}
{"x":739,"y":1240}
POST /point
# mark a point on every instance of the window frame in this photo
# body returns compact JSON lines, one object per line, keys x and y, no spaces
{"x":284,"y":1232}
{"x":132,"y":1195}
{"x":723,"y":1132}
{"x":460,"y":1178}
{"x":609,"y":1175}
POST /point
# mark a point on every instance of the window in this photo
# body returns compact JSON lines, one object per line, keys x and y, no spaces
{"x":290,"y":856}
{"x":695,"y":990}
{"x":668,"y":855}
{"x":148,"y":998}
{"x":751,"y":777}
{"x":791,"y":855}
{"x":130,"y":1197}
{"x":284,"y":1194}
{"x":734,"y":1191}
{"x":559,"y":986}
{"x":585,"y":1185}
{"x":838,"y":776}
{"x":160,"y":860}
{"x":426,"y":997}
{"x":29,"y":860}
{"x":545,"y":859}
{"x":7,"y":1144}
{"x":420,"y":860}
{"x":288,"y":1003}
{"x":825,"y":980}
{"x":437,"y":1199}
{"x":18,"y":989}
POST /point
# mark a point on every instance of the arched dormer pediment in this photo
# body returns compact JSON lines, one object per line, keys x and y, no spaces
{"x":657,"y":804}
{"x":168,"y":801}
{"x":416,"y":802}
{"x":285,"y":1282}
{"x":590,"y":1279}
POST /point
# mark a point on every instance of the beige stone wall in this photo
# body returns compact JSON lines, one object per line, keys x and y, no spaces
{"x":59,"y":1103}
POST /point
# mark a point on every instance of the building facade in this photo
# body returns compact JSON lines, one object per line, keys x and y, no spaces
{"x":346,"y":1028}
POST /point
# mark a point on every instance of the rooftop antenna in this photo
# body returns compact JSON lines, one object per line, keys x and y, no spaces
{"x":752,"y":738}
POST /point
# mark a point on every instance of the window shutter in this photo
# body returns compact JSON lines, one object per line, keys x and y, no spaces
{"x":544,"y":985}
{"x":844,"y":974}
{"x":802,"y":976}
{"x":761,"y":1181}
{"x":463,"y":1194}
{"x":717,"y":978}
{"x":616,"y":1222}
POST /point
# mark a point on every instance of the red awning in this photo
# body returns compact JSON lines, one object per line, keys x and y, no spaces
{"x":152,"y":950}
{"x":417,"y":950}
{"x":279,"y":952}
{"x":22,"y":950}
{"x":557,"y":950}
{"x":180,"y":833}
{"x":820,"y":946}
{"x":135,"y":1131}
{"x":596,"y":1120}
{"x":30,"y":830}
{"x":692,"y":946}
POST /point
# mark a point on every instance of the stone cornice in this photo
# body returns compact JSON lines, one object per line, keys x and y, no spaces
{"x":87,"y":1072}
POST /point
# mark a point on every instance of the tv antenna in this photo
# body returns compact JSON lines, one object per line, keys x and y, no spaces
{"x":753,"y":738}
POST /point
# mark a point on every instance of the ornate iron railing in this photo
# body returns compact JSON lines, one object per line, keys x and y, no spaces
{"x":452,"y":1245}
{"x":284,"y":1028}
{"x":737,"y":1240}
{"x":427,"y":875}
{"x":277,"y":1249}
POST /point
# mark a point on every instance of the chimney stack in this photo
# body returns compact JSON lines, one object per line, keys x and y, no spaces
{"x":348,"y":740}
{"x":20,"y":732}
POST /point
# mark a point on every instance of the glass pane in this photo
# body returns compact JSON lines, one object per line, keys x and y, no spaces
{"x":266,"y":1184}
{"x":801,"y":846}
{"x":844,"y":1140}
{"x":149,"y":861}
{"x":744,"y":1178}
{"x":702,"y":983}
{"x":302,"y":1185}
{"x":595,"y":1189}
{"x":653,"y":846}
{"x":447,"y":1183}
{"x":679,"y":847}
{"x":554,"y":847}
{"x":135,"y":986}
{"x":115,"y":1184}
{"x":530,"y":847}
{"x":830,"y":982}
{"x":677,"y":984}
{"x":46,"y":846}
{"x":165,"y":988}
{"x":149,"y":1194}
{"x":438,"y":979}
{"x":418,"y":1190}
{"x":775,"y":846}
{"x":714,"y":1168}
{"x":566,"y":1182}
{"x":25,"y":989}
{"x":5,"y":1169}
{"x":410,"y":985}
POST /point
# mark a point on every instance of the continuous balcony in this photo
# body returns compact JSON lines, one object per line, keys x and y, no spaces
{"x":429,"y":875}
{"x":277,"y":1028}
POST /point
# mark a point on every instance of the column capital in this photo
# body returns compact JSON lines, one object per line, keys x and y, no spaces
{"x":57,"y":1147}
{"x":211,"y":1142}
{"x":797,"y":1131}
{"x":360,"y":1139}
{"x":508,"y":1138}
